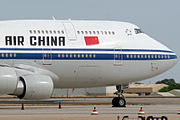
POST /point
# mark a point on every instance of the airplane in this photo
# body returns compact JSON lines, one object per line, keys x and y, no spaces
{"x":37,"y":56}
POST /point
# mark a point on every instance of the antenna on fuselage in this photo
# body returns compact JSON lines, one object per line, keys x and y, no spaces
{"x":53,"y":17}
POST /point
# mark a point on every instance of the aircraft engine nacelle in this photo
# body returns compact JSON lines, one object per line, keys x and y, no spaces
{"x":34,"y":87}
{"x":8,"y":80}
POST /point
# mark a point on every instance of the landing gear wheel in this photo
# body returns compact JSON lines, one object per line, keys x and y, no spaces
{"x":115,"y":102}
{"x":119,"y":102}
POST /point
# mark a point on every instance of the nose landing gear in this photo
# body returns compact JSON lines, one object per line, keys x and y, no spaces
{"x":120,"y":100}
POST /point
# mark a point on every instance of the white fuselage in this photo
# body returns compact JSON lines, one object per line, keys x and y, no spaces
{"x":79,"y":54}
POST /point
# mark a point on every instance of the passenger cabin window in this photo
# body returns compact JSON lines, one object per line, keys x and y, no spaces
{"x":93,"y":32}
{"x":138,"y":31}
{"x":105,"y":32}
{"x":62,"y":32}
{"x":59,"y":32}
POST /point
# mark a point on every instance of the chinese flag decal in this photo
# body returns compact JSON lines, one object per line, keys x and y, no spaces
{"x":91,"y":40}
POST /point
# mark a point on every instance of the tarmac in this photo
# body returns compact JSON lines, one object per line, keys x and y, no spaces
{"x":83,"y":111}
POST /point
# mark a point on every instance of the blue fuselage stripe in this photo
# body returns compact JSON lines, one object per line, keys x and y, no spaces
{"x":72,"y":54}
{"x":86,"y":56}
{"x":82,"y":49}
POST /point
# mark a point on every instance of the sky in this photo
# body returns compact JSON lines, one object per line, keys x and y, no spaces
{"x":160,"y":19}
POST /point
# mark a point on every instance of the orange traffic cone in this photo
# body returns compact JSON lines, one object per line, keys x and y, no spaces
{"x":178,"y":112}
{"x":141,"y":112}
{"x":94,"y":112}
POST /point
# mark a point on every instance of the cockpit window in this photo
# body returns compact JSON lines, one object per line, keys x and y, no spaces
{"x":138,"y":31}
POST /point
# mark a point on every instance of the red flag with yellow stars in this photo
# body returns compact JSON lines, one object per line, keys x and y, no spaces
{"x":91,"y":40}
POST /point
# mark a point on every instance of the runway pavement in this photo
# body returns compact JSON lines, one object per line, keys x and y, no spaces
{"x":78,"y":112}
{"x":93,"y":101}
{"x":70,"y":111}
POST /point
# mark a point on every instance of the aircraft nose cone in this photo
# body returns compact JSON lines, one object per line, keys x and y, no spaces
{"x":175,"y":59}
{"x":169,"y":63}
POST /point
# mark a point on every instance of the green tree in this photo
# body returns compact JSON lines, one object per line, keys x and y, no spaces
{"x":170,"y":87}
{"x":166,"y":81}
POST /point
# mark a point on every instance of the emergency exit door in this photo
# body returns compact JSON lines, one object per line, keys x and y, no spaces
{"x":118,"y":57}
{"x":70,"y":31}
{"x":47,"y":56}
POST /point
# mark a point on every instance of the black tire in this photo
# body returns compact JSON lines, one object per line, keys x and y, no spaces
{"x":164,"y":118}
{"x":125,"y":118}
{"x":119,"y":102}
{"x":122,"y":102}
{"x":115,"y":102}
{"x":141,"y":117}
{"x":150,"y":118}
